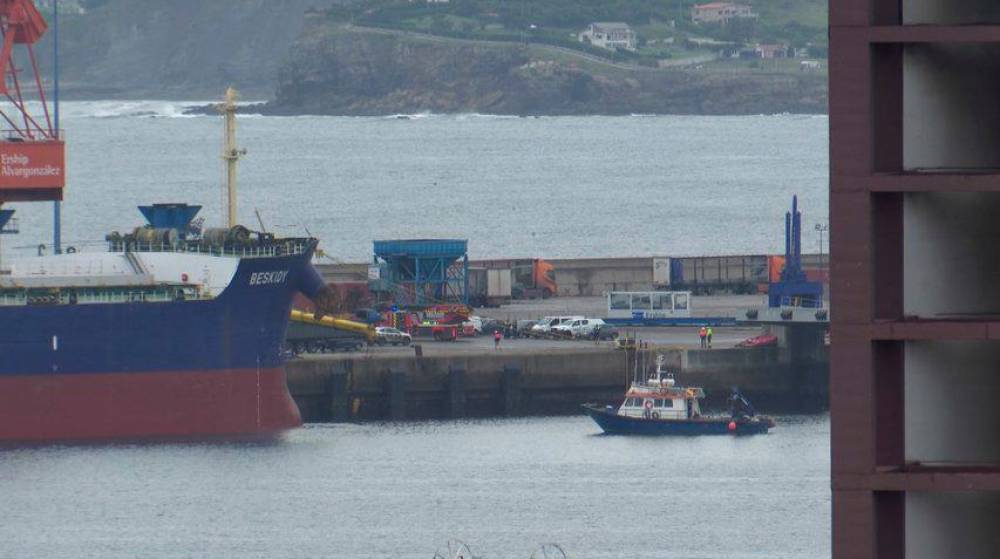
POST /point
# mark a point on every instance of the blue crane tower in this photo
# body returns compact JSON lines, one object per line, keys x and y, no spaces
{"x":793,"y":289}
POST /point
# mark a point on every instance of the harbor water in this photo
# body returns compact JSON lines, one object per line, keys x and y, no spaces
{"x":402,"y":490}
{"x":557,"y":187}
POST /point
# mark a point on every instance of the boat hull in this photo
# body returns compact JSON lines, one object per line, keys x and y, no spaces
{"x":237,"y":403}
{"x":198,"y":369}
{"x":614,"y":424}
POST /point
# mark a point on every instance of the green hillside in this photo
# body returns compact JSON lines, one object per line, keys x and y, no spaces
{"x":798,"y":23}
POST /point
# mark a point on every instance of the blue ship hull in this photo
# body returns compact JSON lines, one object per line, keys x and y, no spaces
{"x":182,"y":368}
{"x":613,"y":424}
{"x":243,"y":327}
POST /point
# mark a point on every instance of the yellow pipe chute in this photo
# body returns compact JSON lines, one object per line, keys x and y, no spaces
{"x":365,"y":330}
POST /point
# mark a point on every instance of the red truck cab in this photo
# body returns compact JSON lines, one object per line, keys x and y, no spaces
{"x":437,"y":332}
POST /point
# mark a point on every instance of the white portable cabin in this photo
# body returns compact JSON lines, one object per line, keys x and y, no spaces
{"x":649,"y":304}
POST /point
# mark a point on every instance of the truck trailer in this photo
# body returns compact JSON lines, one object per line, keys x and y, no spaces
{"x":489,"y":287}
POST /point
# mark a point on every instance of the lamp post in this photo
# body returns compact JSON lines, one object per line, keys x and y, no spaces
{"x":821,"y":228}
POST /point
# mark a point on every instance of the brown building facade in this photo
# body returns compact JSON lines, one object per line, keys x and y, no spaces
{"x":915,"y":278}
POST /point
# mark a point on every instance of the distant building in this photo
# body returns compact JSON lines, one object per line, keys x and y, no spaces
{"x":611,"y":36}
{"x":65,"y":7}
{"x":720,"y":12}
{"x":771,"y":51}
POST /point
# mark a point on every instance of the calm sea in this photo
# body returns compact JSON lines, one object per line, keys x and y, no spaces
{"x":548,"y":187}
{"x":403,"y":490}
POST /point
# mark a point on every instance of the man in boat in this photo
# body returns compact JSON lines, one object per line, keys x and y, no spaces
{"x":739,"y":406}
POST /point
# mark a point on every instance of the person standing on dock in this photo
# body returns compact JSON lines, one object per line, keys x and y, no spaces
{"x":496,"y":339}
{"x":703,"y":334}
{"x":709,"y":335}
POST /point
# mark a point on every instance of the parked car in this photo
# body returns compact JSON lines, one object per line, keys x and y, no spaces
{"x":477,"y":323}
{"x":523,"y":327}
{"x":385,"y":335}
{"x":490,"y":325}
{"x":544,"y":326}
{"x":605,"y":332}
{"x":579,"y":328}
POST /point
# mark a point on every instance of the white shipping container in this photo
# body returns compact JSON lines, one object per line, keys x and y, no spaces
{"x":498,"y":283}
{"x":661,"y":272}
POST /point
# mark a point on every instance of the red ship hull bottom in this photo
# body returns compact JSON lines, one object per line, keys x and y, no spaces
{"x":237,"y":403}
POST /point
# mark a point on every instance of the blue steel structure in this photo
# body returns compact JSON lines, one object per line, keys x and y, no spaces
{"x":424,"y":271}
{"x":7,"y":226}
{"x":794,"y":289}
{"x":170,"y":216}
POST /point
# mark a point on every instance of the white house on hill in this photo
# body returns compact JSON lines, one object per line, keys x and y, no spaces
{"x":720,"y":12}
{"x":611,"y":36}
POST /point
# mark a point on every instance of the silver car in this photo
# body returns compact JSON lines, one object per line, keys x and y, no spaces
{"x":385,"y":335}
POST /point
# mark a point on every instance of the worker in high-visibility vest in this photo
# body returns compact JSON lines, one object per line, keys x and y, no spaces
{"x":709,"y":337}
{"x":703,"y":334}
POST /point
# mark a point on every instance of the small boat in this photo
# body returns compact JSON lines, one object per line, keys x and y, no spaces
{"x":657,"y":406}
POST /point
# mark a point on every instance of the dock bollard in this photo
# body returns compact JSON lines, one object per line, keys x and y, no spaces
{"x":510,"y":391}
{"x":397,"y":395}
{"x":338,"y":390}
{"x":456,"y":393}
{"x":418,"y":350}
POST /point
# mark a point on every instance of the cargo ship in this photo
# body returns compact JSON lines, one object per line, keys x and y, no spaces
{"x":159,"y":337}
{"x":175,"y":332}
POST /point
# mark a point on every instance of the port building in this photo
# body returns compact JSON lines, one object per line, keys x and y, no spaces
{"x":915,"y":278}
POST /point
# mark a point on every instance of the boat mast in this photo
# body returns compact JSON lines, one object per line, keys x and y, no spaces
{"x":231,"y":154}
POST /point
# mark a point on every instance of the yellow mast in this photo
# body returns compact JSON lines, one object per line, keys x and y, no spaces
{"x":231,"y":153}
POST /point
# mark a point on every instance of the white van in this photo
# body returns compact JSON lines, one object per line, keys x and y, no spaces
{"x":578,"y":328}
{"x":544,"y":326}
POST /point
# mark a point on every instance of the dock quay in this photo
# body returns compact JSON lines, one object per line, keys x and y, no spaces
{"x":542,"y":378}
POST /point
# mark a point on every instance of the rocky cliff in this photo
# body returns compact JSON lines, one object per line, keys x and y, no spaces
{"x":177,"y":49}
{"x":308,"y":63}
{"x":338,"y":69}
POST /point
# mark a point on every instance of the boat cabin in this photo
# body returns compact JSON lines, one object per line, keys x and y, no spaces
{"x":659,"y":398}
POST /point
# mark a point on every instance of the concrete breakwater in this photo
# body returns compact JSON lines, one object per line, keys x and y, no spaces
{"x":553,"y":382}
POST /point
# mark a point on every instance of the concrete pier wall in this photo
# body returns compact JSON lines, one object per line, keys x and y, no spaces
{"x":542,"y":383}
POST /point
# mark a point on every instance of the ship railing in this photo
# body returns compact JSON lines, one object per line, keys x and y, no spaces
{"x":280,"y":248}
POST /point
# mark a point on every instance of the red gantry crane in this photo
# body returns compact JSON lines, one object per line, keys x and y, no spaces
{"x":32,"y":152}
